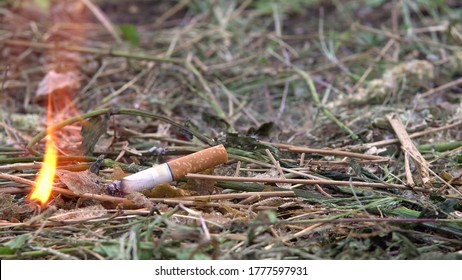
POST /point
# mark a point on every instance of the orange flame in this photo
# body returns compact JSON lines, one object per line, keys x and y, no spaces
{"x":42,"y":190}
{"x":63,"y":14}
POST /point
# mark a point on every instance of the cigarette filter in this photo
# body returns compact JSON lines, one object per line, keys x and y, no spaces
{"x":170,"y":171}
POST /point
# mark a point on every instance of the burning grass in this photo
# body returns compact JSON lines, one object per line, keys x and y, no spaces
{"x":342,"y":123}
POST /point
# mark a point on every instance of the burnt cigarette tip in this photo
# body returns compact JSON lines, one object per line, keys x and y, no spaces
{"x":115,"y":188}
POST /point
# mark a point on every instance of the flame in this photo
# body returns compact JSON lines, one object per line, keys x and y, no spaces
{"x":63,"y":15}
{"x":42,"y":190}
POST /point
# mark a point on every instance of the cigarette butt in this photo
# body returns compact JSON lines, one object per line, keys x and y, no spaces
{"x":170,"y":171}
{"x":198,"y":161}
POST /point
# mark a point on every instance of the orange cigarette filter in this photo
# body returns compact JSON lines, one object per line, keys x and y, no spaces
{"x":170,"y":171}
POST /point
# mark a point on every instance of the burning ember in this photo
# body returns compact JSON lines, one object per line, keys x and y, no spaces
{"x":42,"y":190}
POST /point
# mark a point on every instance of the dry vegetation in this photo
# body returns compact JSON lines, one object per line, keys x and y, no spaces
{"x":342,"y":121}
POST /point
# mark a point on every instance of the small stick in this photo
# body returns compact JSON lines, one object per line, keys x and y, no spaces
{"x":442,"y":87}
{"x":437,"y":176}
{"x":275,"y":163}
{"x":170,"y":171}
{"x":300,"y":149}
{"x":238,"y":195}
{"x":344,"y":162}
{"x":299,"y":181}
{"x":21,"y":166}
{"x":17,"y":179}
{"x":250,"y":199}
{"x":103,"y":19}
{"x":407,"y":144}
{"x":323,"y":192}
{"x":413,"y":135}
{"x":99,"y":197}
{"x":238,"y":168}
{"x":170,"y":12}
{"x":407,"y":169}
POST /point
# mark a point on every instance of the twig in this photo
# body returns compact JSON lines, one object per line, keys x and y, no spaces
{"x":407,"y":144}
{"x":238,"y":168}
{"x":323,"y":192}
{"x":394,"y":141}
{"x":250,"y":199}
{"x":235,"y":196}
{"x":170,"y":12}
{"x":299,"y":149}
{"x":40,"y":158}
{"x":17,"y":179}
{"x":442,"y":87}
{"x":437,"y":176}
{"x":302,"y":159}
{"x":345,"y":162}
{"x":275,"y":163}
{"x":21,"y":166}
{"x":407,"y":170}
{"x":365,"y":220}
{"x":299,"y":181}
{"x":99,"y":197}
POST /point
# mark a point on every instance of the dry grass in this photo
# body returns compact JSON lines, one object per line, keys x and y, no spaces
{"x":300,"y":94}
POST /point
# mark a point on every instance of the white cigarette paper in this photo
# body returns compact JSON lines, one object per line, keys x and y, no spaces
{"x":172,"y":170}
{"x":147,"y":178}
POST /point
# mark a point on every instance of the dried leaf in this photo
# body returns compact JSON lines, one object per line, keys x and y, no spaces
{"x":200,"y":187}
{"x":82,"y":182}
{"x":139,"y":200}
{"x":103,"y":144}
{"x":11,"y":210}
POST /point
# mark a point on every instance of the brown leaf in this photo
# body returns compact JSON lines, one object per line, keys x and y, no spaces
{"x":200,"y":187}
{"x":82,"y":182}
{"x":139,"y":200}
{"x":12,"y":211}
